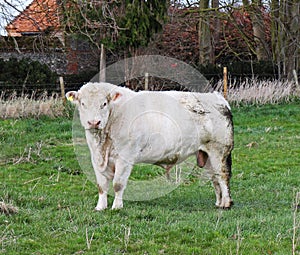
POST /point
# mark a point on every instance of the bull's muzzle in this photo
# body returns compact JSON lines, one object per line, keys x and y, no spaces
{"x":94,"y":124}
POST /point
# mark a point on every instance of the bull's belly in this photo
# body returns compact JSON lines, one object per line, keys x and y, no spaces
{"x":165,"y":161}
{"x":168,"y":158}
{"x":162,"y":149}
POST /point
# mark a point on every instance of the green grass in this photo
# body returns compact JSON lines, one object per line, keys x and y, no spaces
{"x":40,"y":175}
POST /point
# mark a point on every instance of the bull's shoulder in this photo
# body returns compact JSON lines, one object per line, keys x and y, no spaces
{"x":94,"y":87}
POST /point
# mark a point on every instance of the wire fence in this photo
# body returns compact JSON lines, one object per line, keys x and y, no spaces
{"x":36,"y":91}
{"x":35,"y":100}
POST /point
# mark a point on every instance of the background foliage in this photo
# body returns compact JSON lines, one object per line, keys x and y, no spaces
{"x":19,"y":73}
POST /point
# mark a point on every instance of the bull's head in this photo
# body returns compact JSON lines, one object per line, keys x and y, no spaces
{"x":94,"y":103}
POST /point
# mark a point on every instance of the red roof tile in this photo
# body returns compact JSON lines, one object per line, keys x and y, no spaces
{"x":39,"y":16}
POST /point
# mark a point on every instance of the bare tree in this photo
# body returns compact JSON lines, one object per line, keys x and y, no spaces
{"x":8,"y":10}
{"x":259,"y":30}
{"x":216,"y":25}
{"x":204,"y":33}
{"x":285,"y":36}
{"x":289,"y":36}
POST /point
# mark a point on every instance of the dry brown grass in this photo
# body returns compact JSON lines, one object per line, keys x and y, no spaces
{"x":253,"y":91}
{"x":7,"y":209}
{"x":30,"y":106}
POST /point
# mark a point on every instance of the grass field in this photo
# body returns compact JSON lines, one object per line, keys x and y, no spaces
{"x":41,"y":179}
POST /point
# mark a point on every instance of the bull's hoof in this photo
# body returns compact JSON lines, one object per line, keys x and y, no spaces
{"x":99,"y":208}
{"x":225,"y":207}
{"x":117,"y":207}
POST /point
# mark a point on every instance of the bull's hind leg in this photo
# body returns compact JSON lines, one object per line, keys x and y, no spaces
{"x":218,"y":191}
{"x":221,"y":166}
{"x":204,"y":161}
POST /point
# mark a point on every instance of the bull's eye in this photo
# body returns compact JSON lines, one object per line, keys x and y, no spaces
{"x":82,"y":104}
{"x":103,"y":105}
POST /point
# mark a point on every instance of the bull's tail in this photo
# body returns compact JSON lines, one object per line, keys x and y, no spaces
{"x":229,"y":164}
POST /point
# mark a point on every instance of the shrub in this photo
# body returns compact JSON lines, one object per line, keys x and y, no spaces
{"x":23,"y":75}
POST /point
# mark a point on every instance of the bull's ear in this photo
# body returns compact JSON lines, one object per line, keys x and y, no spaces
{"x":72,"y":96}
{"x":116,"y":96}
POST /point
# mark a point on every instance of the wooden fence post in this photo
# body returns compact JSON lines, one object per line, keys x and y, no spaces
{"x":62,"y":89}
{"x":296,"y":79}
{"x":225,"y":82}
{"x":146,"y":81}
{"x":102,"y":71}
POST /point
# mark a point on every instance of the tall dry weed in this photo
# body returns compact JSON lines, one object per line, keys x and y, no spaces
{"x":254,"y":91}
{"x":251,"y":91}
{"x":24,"y":106}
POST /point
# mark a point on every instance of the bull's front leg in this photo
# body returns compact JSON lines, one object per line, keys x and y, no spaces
{"x":102,"y":184}
{"x":122,"y":173}
{"x":102,"y":178}
{"x":101,"y":169}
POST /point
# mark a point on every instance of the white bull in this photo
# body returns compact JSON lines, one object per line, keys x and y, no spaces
{"x":124,"y":127}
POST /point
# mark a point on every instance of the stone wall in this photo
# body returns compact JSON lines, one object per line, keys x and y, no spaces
{"x":72,"y":59}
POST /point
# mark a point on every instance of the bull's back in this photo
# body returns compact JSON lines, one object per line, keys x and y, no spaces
{"x":210,"y":113}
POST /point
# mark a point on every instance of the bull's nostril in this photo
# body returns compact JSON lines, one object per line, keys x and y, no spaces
{"x":94,"y":124}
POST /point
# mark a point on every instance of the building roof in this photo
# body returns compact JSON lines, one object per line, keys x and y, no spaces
{"x":38,"y":17}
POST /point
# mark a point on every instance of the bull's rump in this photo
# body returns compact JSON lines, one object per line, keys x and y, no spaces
{"x":166,"y":127}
